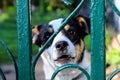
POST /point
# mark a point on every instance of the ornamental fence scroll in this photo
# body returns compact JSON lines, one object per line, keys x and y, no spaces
{"x":25,"y":70}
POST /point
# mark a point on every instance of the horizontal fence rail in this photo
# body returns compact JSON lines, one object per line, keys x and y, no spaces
{"x":25,"y":70}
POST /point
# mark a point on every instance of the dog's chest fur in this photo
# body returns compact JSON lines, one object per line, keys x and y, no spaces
{"x":67,"y":74}
{"x":66,"y":48}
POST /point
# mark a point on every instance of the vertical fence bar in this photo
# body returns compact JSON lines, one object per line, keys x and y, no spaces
{"x":97,"y":40}
{"x":24,"y":40}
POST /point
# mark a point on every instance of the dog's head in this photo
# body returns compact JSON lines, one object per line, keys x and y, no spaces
{"x":68,"y":45}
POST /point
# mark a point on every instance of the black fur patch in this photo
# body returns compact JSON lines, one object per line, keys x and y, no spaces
{"x":74,"y":33}
{"x":45,"y":32}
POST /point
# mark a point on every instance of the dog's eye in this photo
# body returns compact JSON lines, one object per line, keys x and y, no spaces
{"x":71,"y":32}
{"x":47,"y":35}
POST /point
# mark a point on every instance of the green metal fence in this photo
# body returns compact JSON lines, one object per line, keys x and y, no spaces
{"x":25,"y":70}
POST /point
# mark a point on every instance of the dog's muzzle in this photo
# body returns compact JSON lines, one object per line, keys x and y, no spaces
{"x":61,"y":46}
{"x":62,"y":51}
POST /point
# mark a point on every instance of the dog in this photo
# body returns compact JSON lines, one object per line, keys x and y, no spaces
{"x":67,"y":47}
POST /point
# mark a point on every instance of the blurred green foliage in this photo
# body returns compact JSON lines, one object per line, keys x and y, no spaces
{"x":113,"y":58}
{"x":8,"y":33}
{"x":107,"y":39}
{"x":3,"y":17}
{"x":40,"y":18}
{"x":87,"y":42}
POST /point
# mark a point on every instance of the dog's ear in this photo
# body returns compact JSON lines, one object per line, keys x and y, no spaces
{"x":35,"y":35}
{"x":84,"y":23}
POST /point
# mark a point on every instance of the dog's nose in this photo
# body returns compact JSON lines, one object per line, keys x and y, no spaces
{"x":62,"y":45}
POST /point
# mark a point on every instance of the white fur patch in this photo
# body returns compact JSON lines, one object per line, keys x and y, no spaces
{"x":56,"y":23}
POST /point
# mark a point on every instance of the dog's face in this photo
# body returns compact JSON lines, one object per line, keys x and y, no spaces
{"x":68,"y":45}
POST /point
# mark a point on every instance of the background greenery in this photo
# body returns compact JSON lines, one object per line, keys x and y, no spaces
{"x":44,"y":11}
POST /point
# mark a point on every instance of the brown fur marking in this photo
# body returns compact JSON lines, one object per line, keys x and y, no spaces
{"x":50,"y":30}
{"x":81,"y":20}
{"x":79,"y":50}
{"x":67,"y":27}
{"x":35,"y":30}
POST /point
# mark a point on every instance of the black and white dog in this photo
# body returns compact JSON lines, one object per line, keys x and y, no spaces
{"x":67,"y":47}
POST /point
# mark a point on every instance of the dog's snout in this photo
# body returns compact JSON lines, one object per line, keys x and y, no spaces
{"x":62,"y":45}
